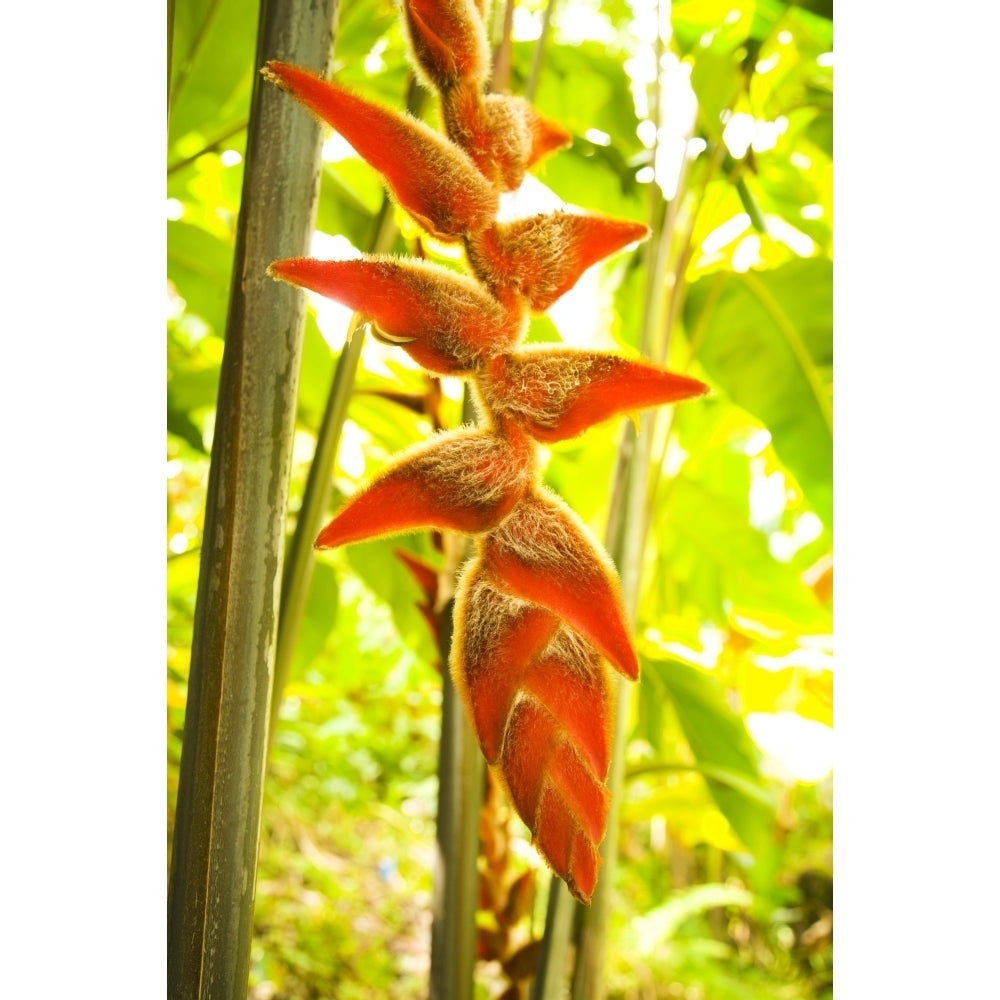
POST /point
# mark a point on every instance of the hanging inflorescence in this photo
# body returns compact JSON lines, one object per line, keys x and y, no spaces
{"x":538,"y":612}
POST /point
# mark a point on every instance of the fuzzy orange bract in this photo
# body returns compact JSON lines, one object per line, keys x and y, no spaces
{"x":538,"y":620}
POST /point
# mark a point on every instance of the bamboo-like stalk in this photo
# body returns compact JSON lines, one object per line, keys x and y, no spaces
{"x":538,"y":56}
{"x":456,"y":879}
{"x":627,"y":533}
{"x":549,"y":981}
{"x":626,"y":541}
{"x":212,"y":878}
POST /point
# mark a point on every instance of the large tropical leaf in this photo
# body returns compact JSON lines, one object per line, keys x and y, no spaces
{"x":718,"y":739}
{"x":766,"y":340}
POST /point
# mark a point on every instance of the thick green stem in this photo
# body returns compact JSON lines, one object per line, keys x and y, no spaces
{"x":549,"y":981}
{"x":626,"y":541}
{"x":461,"y":775}
{"x":456,"y":878}
{"x":213,"y":871}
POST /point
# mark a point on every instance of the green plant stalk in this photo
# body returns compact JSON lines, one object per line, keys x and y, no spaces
{"x":538,"y":56}
{"x":461,"y":775}
{"x":217,"y":825}
{"x":549,"y":981}
{"x":456,"y":875}
{"x":627,"y":530}
{"x":684,"y":251}
{"x":627,"y":538}
{"x":301,"y":559}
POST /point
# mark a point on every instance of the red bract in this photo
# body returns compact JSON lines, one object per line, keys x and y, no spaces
{"x":561,"y":799}
{"x":538,"y":619}
{"x":465,"y":481}
{"x":503,"y":135}
{"x":430,"y":177}
{"x":445,"y":321}
{"x":543,"y":257}
{"x":556,"y":393}
{"x":447,"y":40}
{"x":427,"y":580}
{"x":542,"y":553}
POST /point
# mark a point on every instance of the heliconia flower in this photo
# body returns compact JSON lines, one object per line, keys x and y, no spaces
{"x":541,"y":702}
{"x":556,"y":393}
{"x":466,"y":481}
{"x":539,"y":621}
{"x":448,"y":40}
{"x":432,"y":178}
{"x":446,"y":321}
{"x":542,"y":553}
{"x":504,"y":135}
{"x":543,"y":256}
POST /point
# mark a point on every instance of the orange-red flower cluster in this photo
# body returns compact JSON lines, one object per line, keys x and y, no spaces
{"x":538,"y":611}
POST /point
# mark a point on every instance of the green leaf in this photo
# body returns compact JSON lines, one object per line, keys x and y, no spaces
{"x":715,"y":78}
{"x":199,"y":265}
{"x":316,"y":374}
{"x":360,"y":25}
{"x":351,"y":194}
{"x":193,"y":389}
{"x":694,"y":20}
{"x":706,"y":530}
{"x":718,"y":738}
{"x":792,"y":78}
{"x":181,"y":425}
{"x":820,"y":132}
{"x":590,"y":177}
{"x":213,"y":67}
{"x":320,"y":617}
{"x":376,"y":564}
{"x":584,"y":88}
{"x":766,"y":340}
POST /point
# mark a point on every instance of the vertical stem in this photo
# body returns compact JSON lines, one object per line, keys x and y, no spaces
{"x":456,"y":879}
{"x":625,"y":544}
{"x":538,"y":56}
{"x":627,"y":528}
{"x":548,"y":983}
{"x":460,"y":797}
{"x":500,"y":82}
{"x":300,"y":563}
{"x":213,"y":871}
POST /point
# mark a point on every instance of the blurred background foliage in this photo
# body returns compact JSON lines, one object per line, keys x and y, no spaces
{"x":724,"y":883}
